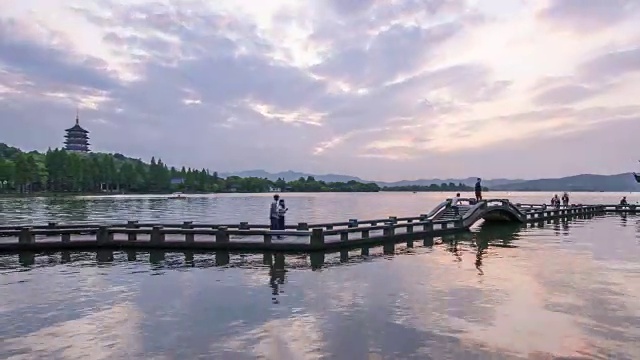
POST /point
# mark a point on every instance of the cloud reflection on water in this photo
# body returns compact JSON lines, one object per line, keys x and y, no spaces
{"x":566,"y":296}
{"x":105,"y":334}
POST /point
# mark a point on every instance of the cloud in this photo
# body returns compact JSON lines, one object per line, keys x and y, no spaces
{"x":350,"y":7}
{"x":596,"y":76}
{"x":565,"y":94}
{"x":398,"y":50}
{"x":370,"y":88}
{"x":589,"y":15}
{"x":20,"y":52}
{"x":612,"y":65}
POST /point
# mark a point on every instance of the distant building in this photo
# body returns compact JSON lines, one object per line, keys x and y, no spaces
{"x":177,"y":181}
{"x":77,"y":138}
{"x":274,"y":189}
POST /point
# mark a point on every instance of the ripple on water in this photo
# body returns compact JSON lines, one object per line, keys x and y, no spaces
{"x":568,"y":289}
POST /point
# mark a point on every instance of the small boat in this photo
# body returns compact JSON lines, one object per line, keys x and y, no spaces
{"x":177,"y":195}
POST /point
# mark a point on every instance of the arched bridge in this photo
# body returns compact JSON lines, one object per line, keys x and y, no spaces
{"x":470,"y":211}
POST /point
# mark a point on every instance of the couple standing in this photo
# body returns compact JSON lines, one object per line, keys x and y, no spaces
{"x":277,"y":213}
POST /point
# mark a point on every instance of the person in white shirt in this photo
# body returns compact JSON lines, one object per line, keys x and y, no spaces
{"x":454,"y":204}
{"x":282,"y":211}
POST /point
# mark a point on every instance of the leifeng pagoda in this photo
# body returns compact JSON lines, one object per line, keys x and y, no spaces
{"x":77,"y":138}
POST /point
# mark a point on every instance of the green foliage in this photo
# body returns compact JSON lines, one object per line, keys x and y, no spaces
{"x":312,"y":185}
{"x":433,"y":187}
{"x":59,"y":171}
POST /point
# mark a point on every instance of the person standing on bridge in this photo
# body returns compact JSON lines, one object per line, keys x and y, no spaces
{"x":273,"y":213}
{"x":282,"y":211}
{"x":565,"y":199}
{"x":479,"y":190}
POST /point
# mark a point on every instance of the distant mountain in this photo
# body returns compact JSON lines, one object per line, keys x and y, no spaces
{"x":490,"y":183}
{"x":584,"y":182}
{"x":294,"y":175}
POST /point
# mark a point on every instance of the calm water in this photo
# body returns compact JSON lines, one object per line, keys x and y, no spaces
{"x":567,"y":289}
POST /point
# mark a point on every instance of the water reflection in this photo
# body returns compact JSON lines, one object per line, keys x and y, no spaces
{"x":499,"y":292}
{"x":66,"y":210}
{"x":277,"y":275}
{"x":234,"y":208}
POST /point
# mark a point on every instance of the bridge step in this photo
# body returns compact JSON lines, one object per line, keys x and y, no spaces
{"x":450,"y":214}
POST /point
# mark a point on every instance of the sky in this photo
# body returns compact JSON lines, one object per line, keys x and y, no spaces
{"x":384,"y":90}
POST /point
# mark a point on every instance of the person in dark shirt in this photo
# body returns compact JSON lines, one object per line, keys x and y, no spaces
{"x":624,"y":201}
{"x":478,"y":190}
{"x":273,"y":213}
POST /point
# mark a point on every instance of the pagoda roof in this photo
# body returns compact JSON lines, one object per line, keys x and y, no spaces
{"x":77,"y":128}
{"x":76,"y":135}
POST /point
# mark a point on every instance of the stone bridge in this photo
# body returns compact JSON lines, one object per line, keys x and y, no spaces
{"x":470,"y":211}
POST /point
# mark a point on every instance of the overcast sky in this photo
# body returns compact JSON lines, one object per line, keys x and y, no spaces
{"x":385,"y":90}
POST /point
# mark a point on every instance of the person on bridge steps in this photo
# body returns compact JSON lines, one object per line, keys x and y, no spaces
{"x":565,"y":199}
{"x":478,"y":189}
{"x":454,"y":204}
{"x":623,"y":201}
{"x":273,"y":213}
{"x":555,"y":201}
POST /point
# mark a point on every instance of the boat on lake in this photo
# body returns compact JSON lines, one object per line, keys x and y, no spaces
{"x":177,"y":195}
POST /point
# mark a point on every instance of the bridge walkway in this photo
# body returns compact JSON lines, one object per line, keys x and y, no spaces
{"x":470,"y":211}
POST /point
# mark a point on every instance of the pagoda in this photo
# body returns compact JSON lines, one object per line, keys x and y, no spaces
{"x":77,"y":138}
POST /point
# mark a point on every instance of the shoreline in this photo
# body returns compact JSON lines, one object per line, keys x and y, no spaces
{"x":75,"y":194}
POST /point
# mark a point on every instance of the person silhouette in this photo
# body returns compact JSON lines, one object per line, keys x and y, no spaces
{"x":478,"y":189}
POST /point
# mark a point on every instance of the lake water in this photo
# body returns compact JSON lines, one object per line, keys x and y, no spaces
{"x":567,"y":289}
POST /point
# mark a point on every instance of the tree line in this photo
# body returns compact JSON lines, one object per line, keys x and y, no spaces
{"x":452,"y":187}
{"x":60,"y":171}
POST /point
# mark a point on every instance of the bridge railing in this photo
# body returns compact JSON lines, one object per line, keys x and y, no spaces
{"x":618,"y":207}
{"x":484,"y":206}
{"x":300,"y":237}
{"x":514,"y":208}
{"x":443,"y":205}
{"x":222,"y":237}
{"x":474,"y":209}
{"x":563,"y":212}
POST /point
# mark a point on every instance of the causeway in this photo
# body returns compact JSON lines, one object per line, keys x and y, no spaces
{"x":302,"y":237}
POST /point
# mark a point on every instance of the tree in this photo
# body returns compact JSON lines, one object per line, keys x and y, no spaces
{"x":433,"y":187}
{"x":60,"y":171}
